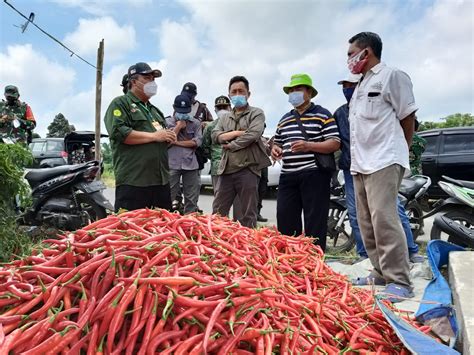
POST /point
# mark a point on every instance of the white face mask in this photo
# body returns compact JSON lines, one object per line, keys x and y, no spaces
{"x":221,"y":113}
{"x":150,"y":89}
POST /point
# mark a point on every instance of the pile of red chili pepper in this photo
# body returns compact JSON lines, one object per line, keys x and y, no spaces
{"x":149,"y":281}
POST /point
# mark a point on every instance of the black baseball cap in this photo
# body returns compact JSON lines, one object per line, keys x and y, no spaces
{"x":222,"y":101}
{"x":182,"y":104}
{"x":143,"y":69}
{"x":189,"y":89}
{"x":12,"y":91}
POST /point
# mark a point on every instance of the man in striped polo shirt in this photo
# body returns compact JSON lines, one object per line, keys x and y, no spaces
{"x":303,"y":185}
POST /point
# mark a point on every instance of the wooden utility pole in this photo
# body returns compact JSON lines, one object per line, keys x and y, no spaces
{"x":98,"y":99}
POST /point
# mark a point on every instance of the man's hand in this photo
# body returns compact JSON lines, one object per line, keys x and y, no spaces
{"x":229,"y":136}
{"x":3,"y":118}
{"x":180,"y":125}
{"x":276,"y":152}
{"x":300,"y":147}
{"x":226,"y":146}
{"x":165,"y":135}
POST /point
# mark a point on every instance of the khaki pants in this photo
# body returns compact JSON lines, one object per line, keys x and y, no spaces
{"x":376,"y":200}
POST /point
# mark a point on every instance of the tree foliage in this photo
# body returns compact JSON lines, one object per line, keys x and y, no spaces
{"x":106,"y":154}
{"x":455,"y":120}
{"x":59,"y":127}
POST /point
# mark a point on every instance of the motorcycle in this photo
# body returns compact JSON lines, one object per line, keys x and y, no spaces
{"x":457,"y":233}
{"x":339,"y":239}
{"x":459,"y":207}
{"x":66,"y":197}
{"x":412,"y":191}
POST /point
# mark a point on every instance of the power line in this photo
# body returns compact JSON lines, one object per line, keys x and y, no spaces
{"x":50,"y":36}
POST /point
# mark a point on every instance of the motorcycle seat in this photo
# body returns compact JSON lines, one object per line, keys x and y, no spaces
{"x":409,"y":187}
{"x":462,"y":183}
{"x":38,"y":175}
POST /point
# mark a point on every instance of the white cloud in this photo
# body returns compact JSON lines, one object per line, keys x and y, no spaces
{"x":267,"y":42}
{"x":85,"y":39}
{"x":41,"y":82}
{"x":101,"y":7}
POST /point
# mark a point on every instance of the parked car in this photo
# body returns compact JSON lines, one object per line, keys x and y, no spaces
{"x":273,"y":175}
{"x":52,"y":152}
{"x":450,"y":152}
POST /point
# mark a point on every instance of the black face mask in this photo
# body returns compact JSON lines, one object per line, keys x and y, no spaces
{"x":11,"y":100}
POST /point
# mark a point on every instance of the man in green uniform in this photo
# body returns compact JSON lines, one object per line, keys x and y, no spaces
{"x":416,"y":150}
{"x":13,"y":109}
{"x":139,"y":143}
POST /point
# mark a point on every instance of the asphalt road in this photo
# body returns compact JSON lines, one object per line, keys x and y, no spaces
{"x":268,"y":210}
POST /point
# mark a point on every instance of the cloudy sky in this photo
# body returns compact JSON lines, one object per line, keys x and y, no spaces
{"x":209,"y":41}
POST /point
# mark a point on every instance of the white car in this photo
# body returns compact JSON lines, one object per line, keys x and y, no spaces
{"x":273,"y":175}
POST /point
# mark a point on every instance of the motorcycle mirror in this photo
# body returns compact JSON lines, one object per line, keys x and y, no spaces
{"x":16,"y":123}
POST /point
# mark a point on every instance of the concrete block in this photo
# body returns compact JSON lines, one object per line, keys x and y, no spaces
{"x":461,"y":280}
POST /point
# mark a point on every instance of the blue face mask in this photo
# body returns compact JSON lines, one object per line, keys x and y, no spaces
{"x":182,"y":116}
{"x":238,"y":101}
{"x":348,"y":93}
{"x":296,"y":98}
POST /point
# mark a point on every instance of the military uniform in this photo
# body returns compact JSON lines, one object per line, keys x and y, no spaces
{"x":141,"y":167}
{"x":416,"y":150}
{"x":212,"y":151}
{"x":15,"y":109}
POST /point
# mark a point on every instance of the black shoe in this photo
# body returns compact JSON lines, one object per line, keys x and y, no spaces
{"x":261,"y":219}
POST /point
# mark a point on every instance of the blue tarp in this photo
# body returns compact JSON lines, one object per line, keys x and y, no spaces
{"x":436,"y":308}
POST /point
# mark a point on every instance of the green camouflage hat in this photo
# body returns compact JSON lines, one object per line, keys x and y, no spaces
{"x":12,"y":91}
{"x":301,"y":79}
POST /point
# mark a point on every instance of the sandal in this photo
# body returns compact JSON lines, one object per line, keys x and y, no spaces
{"x":397,"y":293}
{"x":369,"y":281}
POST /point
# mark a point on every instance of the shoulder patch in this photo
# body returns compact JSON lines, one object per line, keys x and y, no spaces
{"x":117,"y":113}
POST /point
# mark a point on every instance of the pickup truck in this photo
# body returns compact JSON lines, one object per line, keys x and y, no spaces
{"x":450,"y":152}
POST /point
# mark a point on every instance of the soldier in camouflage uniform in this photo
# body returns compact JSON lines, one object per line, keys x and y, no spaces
{"x":416,"y":150}
{"x":12,"y":109}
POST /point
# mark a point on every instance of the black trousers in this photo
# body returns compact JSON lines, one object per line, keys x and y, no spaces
{"x":133,"y":197}
{"x":262,"y":187}
{"x":304,"y":191}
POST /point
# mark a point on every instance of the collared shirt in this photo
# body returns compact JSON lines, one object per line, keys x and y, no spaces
{"x":342,"y":120}
{"x":138,"y":164}
{"x":246,"y":151}
{"x":183,"y":158}
{"x":319,"y":125}
{"x":381,"y":100}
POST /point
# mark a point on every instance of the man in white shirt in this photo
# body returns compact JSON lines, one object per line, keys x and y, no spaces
{"x":381,"y":115}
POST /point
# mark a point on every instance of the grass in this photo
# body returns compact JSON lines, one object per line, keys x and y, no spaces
{"x":108,"y":177}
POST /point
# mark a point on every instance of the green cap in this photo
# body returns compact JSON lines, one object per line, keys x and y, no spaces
{"x":301,"y":79}
{"x":12,"y":91}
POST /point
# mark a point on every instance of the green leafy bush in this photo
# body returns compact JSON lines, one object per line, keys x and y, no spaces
{"x":13,"y":159}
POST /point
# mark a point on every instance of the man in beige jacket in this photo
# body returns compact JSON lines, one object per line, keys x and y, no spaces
{"x":243,"y":156}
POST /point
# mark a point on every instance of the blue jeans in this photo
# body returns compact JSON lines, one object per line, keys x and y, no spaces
{"x":351,"y":210}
